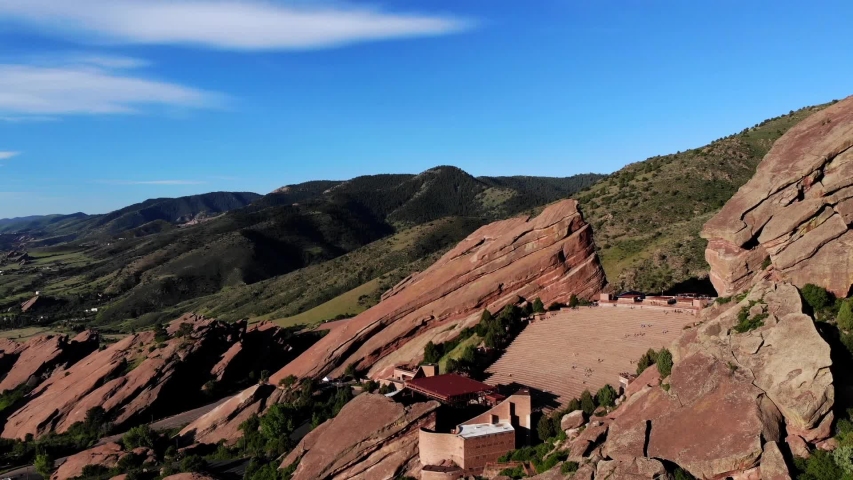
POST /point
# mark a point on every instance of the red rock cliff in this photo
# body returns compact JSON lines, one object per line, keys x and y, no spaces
{"x":551,"y":256}
{"x":796,"y":209}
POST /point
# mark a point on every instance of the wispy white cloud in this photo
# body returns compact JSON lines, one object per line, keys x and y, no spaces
{"x":27,"y":118}
{"x":7,"y":155}
{"x":228,"y":24}
{"x":43,"y":91}
{"x":151,"y":182}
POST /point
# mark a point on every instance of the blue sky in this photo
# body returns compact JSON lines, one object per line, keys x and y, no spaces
{"x":104,"y":103}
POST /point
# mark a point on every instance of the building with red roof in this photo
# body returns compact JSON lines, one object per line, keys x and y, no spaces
{"x":450,"y":388}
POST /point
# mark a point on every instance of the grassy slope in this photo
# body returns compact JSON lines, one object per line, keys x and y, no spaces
{"x":647,"y":216}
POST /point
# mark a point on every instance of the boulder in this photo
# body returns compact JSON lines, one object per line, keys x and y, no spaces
{"x":572,"y":420}
{"x":796,"y":210}
{"x":585,"y":472}
{"x":773,"y":466}
{"x":372,"y":437}
{"x":728,"y":415}
{"x":798,"y":446}
{"x":106,"y":455}
{"x":551,"y":256}
{"x":649,"y":378}
{"x":633,"y":469}
{"x":588,"y":438}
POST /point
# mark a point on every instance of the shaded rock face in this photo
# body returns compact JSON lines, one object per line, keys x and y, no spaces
{"x":40,"y":355}
{"x":551,"y":256}
{"x":134,"y":379}
{"x":796,"y":209}
{"x":372,"y":437}
{"x":732,"y":396}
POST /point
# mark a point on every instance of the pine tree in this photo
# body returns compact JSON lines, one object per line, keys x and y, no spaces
{"x":845,"y":315}
{"x":538,"y":306}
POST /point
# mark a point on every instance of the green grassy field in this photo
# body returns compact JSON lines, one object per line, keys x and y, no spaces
{"x":346,"y":304}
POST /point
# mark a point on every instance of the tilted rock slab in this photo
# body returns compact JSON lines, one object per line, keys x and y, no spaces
{"x":796,"y":209}
{"x":372,"y":437}
{"x":41,"y":354}
{"x":551,"y":256}
{"x":127,"y":379}
{"x":730,"y":392}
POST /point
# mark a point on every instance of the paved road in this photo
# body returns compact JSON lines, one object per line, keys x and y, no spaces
{"x":167,"y":423}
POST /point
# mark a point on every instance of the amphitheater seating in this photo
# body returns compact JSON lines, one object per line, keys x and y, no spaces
{"x":584,"y":349}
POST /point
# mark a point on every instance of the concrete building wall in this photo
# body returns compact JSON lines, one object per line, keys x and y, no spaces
{"x":481,"y":450}
{"x":434,"y":448}
{"x":432,"y":475}
{"x":516,"y":410}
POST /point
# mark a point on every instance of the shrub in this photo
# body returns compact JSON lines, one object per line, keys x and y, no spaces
{"x":843,"y":457}
{"x":538,"y":306}
{"x":747,"y":323}
{"x":573,"y":301}
{"x":681,"y":474}
{"x":574,"y":404}
{"x":141,"y":436}
{"x":517,"y":472}
{"x":766,"y":263}
{"x":587,"y":403}
{"x":819,"y":466}
{"x":545,"y":428}
{"x":648,"y":359}
{"x":816,"y":297}
{"x":606,"y":396}
{"x":432,"y":354}
{"x":845,"y":315}
{"x":43,"y":465}
{"x":664,"y":362}
{"x":193,"y":463}
{"x":569,"y":467}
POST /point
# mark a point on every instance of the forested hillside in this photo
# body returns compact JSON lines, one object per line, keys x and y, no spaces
{"x":271,"y":257}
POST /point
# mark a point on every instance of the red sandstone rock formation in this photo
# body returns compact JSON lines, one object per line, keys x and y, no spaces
{"x":796,"y":209}
{"x":372,"y":437}
{"x":133,"y":379}
{"x":551,"y":256}
{"x":106,"y":455}
{"x":223,"y":422}
{"x":40,"y":355}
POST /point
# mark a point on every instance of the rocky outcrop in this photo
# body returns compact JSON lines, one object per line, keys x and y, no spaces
{"x":572,"y":420}
{"x":372,"y":437}
{"x":40,"y":355}
{"x":139,"y":377}
{"x":634,"y":469}
{"x":551,"y":256}
{"x":796,"y":210}
{"x":223,"y":422}
{"x":106,"y":455}
{"x":189,"y":476}
{"x":740,"y":394}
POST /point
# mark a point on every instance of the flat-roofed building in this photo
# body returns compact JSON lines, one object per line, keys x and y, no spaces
{"x":479,"y":441}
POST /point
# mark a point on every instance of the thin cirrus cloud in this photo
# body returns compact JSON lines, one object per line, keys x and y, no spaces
{"x":7,"y":155}
{"x":41,"y":91}
{"x":229,"y":24}
{"x":151,"y":182}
